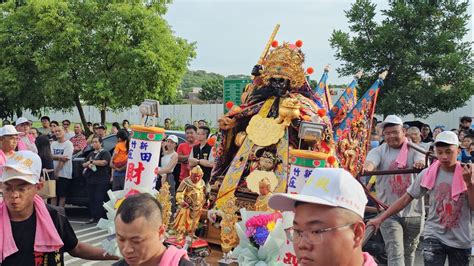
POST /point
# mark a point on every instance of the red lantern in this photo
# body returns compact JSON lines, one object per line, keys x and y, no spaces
{"x":229,"y":104}
{"x":299,"y":43}
{"x":211,"y":141}
{"x":310,"y":70}
{"x":331,"y":160}
{"x":274,"y":43}
{"x":322,"y":112}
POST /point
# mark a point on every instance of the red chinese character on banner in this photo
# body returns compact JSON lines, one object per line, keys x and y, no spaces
{"x":135,"y":173}
{"x":290,"y":259}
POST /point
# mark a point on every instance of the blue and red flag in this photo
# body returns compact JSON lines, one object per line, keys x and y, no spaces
{"x":353,"y":133}
{"x":344,"y":104}
{"x":322,"y":90}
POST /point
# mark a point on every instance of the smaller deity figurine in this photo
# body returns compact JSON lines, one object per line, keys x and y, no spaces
{"x":265,"y":191}
{"x":190,"y":198}
{"x":263,"y":183}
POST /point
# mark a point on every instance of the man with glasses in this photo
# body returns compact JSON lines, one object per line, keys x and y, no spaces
{"x":328,"y":227}
{"x":401,"y":232}
{"x":33,"y":233}
{"x":450,"y":186}
{"x":8,"y":143}
{"x":67,"y":133}
{"x":25,"y":140}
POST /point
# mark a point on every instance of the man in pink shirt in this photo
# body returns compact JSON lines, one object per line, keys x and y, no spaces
{"x":25,"y":140}
{"x":328,"y":227}
{"x":8,"y":143}
{"x":184,"y":149}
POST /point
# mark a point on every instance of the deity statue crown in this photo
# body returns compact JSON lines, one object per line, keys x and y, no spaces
{"x":264,"y":181}
{"x":197,"y":170}
{"x":285,"y":61}
{"x":269,"y":155}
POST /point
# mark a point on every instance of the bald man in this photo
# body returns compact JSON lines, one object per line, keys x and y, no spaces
{"x":140,"y":232}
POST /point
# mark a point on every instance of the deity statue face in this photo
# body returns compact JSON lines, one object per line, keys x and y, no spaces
{"x":281,"y":85}
{"x":195,"y":177}
{"x":263,"y":189}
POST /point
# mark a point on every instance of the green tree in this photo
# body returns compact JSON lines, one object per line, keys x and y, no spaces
{"x":212,"y":91}
{"x":421,"y":45}
{"x":196,"y":78}
{"x":110,"y":54}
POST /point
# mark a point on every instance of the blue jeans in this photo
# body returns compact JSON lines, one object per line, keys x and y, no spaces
{"x":401,"y":236}
{"x":435,"y":253}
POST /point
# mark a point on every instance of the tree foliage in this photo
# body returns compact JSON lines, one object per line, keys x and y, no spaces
{"x":212,"y":90}
{"x":196,"y":78}
{"x":421,"y":45}
{"x":110,"y":54}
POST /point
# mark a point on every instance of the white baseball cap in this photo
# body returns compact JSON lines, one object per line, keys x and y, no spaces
{"x":447,"y":137}
{"x":326,"y":186}
{"x":173,"y":138}
{"x":22,"y":120}
{"x":24,"y":165}
{"x":8,"y":130}
{"x":391,"y":119}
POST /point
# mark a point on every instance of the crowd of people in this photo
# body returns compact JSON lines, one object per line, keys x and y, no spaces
{"x":103,"y":169}
{"x":447,"y":181}
{"x":29,"y":154}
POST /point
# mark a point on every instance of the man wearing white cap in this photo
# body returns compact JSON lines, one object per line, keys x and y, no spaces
{"x":450,"y":187}
{"x":401,"y":232}
{"x":33,"y":233}
{"x":8,"y":144}
{"x":25,"y":140}
{"x":328,"y":227}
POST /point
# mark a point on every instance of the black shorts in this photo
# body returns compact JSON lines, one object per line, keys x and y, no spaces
{"x":62,"y":186}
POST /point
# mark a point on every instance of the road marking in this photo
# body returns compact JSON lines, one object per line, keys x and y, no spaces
{"x":94,"y":238}
{"x":90,"y":233}
{"x":78,"y":222}
{"x":85,"y":229}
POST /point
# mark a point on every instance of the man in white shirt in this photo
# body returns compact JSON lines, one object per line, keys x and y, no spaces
{"x":62,"y":150}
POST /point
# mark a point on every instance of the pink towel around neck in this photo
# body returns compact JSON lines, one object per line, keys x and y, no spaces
{"x":172,"y":256}
{"x":402,"y":158}
{"x":368,"y":260}
{"x":46,"y":237}
{"x":458,"y":186}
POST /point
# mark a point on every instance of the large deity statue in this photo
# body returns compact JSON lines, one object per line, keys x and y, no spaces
{"x":274,"y":106}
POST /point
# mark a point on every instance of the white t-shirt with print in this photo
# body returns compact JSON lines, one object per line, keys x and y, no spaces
{"x":66,"y":148}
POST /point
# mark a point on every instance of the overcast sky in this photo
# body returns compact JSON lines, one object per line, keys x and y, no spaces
{"x":231,"y":35}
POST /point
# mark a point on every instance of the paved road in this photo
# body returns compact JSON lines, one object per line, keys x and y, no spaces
{"x":85,"y":233}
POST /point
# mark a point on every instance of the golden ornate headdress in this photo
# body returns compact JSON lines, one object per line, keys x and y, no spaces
{"x":285,"y":61}
{"x":269,"y":155}
{"x":197,"y":170}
